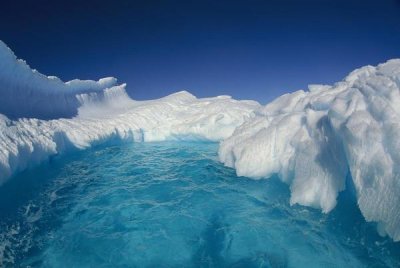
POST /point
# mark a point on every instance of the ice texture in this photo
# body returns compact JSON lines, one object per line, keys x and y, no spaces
{"x":318,"y":141}
{"x":27,"y":93}
{"x":313,"y":140}
{"x":84,"y":113}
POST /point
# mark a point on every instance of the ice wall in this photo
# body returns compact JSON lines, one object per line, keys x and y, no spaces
{"x":84,"y":113}
{"x":181,"y":116}
{"x":27,"y":93}
{"x":313,"y":139}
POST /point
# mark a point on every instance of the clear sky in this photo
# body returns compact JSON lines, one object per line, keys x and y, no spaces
{"x":246,"y":49}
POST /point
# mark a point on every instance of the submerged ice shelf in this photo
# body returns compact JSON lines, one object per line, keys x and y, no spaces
{"x":313,"y":140}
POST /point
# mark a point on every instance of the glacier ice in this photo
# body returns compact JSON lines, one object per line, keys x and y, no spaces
{"x":313,"y":139}
{"x":84,"y":113}
{"x":317,"y":141}
{"x":45,"y":97}
{"x":28,"y":141}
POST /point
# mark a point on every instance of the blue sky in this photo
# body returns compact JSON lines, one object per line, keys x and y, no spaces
{"x":246,"y":49}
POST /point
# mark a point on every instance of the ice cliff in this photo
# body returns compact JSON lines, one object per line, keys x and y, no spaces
{"x":313,"y":140}
{"x":27,"y":93}
{"x":84,"y":113}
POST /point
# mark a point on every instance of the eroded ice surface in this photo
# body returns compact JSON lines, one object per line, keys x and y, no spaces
{"x":104,"y":112}
{"x":313,"y":140}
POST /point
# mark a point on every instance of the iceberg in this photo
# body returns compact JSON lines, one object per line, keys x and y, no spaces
{"x":322,"y":141}
{"x":42,"y":116}
{"x":44,"y":97}
{"x":315,"y":140}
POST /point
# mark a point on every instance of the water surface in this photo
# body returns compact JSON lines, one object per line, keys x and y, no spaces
{"x":173,"y":205}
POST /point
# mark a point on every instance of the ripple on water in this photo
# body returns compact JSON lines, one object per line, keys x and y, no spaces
{"x":173,"y":204}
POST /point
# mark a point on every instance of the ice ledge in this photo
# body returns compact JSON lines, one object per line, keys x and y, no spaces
{"x":27,"y":93}
{"x":313,"y":139}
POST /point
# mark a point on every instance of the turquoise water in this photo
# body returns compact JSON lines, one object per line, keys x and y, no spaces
{"x":173,"y":205}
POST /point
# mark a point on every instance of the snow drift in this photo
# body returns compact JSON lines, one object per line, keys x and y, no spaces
{"x":313,"y":140}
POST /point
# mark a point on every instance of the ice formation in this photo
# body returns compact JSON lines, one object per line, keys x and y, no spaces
{"x":44,"y":97}
{"x":313,"y":140}
{"x":104,"y":112}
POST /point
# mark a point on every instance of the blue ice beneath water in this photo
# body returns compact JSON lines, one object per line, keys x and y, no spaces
{"x":173,"y":205}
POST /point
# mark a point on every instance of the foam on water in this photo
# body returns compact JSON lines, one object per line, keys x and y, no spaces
{"x":173,"y":204}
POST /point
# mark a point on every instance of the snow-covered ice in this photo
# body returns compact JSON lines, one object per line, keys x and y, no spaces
{"x":27,"y":93}
{"x":313,"y":140}
{"x":84,"y":113}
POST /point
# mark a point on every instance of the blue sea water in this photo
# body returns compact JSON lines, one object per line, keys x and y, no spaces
{"x":173,"y":205}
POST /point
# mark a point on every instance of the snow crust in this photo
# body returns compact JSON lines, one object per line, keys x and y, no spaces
{"x":313,"y":139}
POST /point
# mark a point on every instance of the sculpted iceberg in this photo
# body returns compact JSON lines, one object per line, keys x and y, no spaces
{"x":27,"y":93}
{"x":314,"y":140}
{"x":318,"y":142}
{"x":84,"y":113}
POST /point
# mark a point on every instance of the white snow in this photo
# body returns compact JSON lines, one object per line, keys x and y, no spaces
{"x":27,"y":93}
{"x":26,"y":142}
{"x":103,"y":112}
{"x":311,"y":139}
